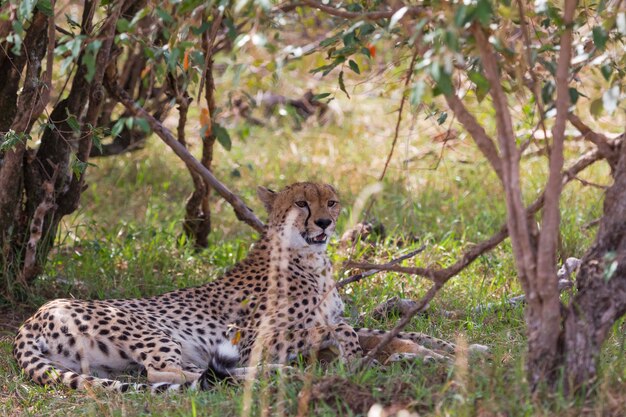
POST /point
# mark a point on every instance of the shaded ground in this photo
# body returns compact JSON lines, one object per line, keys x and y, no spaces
{"x":11,"y":318}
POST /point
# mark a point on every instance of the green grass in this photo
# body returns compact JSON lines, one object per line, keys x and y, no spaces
{"x":125,"y":241}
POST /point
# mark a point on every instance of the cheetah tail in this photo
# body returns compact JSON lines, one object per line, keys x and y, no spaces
{"x":220,"y":367}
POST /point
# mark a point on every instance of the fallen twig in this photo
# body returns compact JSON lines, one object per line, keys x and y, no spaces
{"x":358,"y":277}
{"x":419,"y":306}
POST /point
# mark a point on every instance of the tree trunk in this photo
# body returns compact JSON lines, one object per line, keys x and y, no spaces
{"x":22,"y":111}
{"x":197,"y":224}
{"x":601,"y":283}
{"x":38,"y":188}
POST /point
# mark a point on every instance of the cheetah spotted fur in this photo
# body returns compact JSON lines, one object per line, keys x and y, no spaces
{"x":277,"y":303}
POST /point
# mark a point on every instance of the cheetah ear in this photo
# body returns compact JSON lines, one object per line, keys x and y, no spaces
{"x":267,"y":196}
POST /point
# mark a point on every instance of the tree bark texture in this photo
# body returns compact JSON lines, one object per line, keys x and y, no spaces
{"x":38,"y":187}
{"x":601,"y":282}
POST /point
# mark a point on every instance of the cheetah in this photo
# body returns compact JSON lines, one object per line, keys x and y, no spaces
{"x":278,"y":303}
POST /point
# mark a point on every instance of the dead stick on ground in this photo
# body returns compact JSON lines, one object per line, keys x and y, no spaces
{"x":421,"y":304}
{"x":242,"y":212}
{"x":358,"y":277}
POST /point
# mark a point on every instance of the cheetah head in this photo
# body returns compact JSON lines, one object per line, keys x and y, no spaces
{"x":305,"y":212}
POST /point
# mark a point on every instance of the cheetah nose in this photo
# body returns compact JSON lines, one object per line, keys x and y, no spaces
{"x":323,"y":223}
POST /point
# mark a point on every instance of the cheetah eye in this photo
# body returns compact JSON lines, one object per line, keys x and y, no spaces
{"x":332,"y":203}
{"x":301,"y":204}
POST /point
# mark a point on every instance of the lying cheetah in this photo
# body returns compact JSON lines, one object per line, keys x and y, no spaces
{"x":277,"y":303}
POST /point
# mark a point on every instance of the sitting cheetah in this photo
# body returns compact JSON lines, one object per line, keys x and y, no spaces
{"x":277,"y":303}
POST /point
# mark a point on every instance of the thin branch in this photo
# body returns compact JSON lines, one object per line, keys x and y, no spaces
{"x":535,"y":83}
{"x":358,"y":277}
{"x":591,"y":184}
{"x":478,"y":133}
{"x":242,"y":212}
{"x":217,"y":22}
{"x":601,"y":141}
{"x":409,"y":76}
{"x":383,"y":14}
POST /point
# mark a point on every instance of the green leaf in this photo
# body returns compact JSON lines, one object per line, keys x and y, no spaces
{"x":318,"y":97}
{"x":460,"y":15}
{"x":142,"y":124}
{"x":481,"y":82}
{"x":442,"y":79}
{"x":595,"y":108}
{"x":97,"y":134}
{"x":72,"y":122}
{"x":599,"y":37}
{"x":610,"y":271}
{"x":442,"y":117}
{"x":11,"y":139}
{"x":366,"y":28}
{"x":331,"y":41}
{"x":25,"y":9}
{"x":123,"y":25}
{"x":222,"y":136}
{"x":173,"y":59}
{"x":45,"y":7}
{"x":78,"y":167}
{"x":606,"y":71}
{"x":164,"y":15}
{"x":89,"y":58}
{"x":342,"y":85}
{"x":354,"y":66}
{"x":349,"y":39}
{"x":483,"y":12}
{"x":117,"y":127}
{"x":547,"y":92}
{"x":574,"y":94}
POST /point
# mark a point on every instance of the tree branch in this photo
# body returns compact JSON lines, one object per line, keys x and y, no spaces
{"x":70,"y":198}
{"x":516,"y":215}
{"x":358,"y":277}
{"x":481,"y":138}
{"x":409,"y":76}
{"x":383,"y":14}
{"x":242,"y":212}
{"x":606,"y":148}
